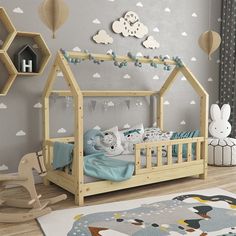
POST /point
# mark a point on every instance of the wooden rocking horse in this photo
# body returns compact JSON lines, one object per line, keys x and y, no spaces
{"x":25,"y":179}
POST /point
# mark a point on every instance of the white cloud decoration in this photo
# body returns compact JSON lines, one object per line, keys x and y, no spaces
{"x":76,"y":49}
{"x":126,"y":126}
{"x":151,"y":43}
{"x":97,"y":127}
{"x":3,"y":167}
{"x":139,"y":4}
{"x":18,"y":10}
{"x":110,"y":104}
{"x":156,"y":77}
{"x":20,"y":133}
{"x":127,"y":76}
{"x":38,"y":105}
{"x":129,"y":25}
{"x":61,"y":131}
{"x":102,"y":37}
{"x":3,"y":106}
{"x":109,"y":52}
{"x":60,"y":74}
{"x":96,"y":21}
{"x":156,"y":29}
{"x":167,"y":9}
{"x":139,"y":54}
{"x":96,"y":75}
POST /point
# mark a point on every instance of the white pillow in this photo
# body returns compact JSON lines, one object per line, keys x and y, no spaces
{"x":111,"y":142}
{"x":156,"y":134}
{"x":131,"y":136}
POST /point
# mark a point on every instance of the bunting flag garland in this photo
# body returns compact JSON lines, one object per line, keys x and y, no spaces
{"x":93,"y":104}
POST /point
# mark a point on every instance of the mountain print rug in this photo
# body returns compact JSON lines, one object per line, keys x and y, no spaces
{"x":199,"y":213}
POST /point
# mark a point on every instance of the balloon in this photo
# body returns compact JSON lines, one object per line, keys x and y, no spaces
{"x":53,"y":13}
{"x":209,"y":41}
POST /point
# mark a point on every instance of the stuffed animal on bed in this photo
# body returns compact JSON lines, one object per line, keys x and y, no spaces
{"x":131,"y":136}
{"x":110,"y":142}
{"x":220,"y":127}
{"x":91,"y":138}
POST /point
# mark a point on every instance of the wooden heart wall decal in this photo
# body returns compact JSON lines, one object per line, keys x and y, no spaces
{"x":53,"y":14}
{"x":209,"y":41}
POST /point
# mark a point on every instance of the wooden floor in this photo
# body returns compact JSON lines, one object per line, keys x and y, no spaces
{"x":222,"y":177}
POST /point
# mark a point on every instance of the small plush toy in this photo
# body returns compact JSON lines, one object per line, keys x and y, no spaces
{"x":90,"y":141}
{"x":220,"y":127}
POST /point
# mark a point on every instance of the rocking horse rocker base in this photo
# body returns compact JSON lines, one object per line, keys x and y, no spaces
{"x":25,"y":179}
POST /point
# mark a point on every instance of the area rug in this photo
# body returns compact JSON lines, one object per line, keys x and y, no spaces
{"x":199,"y":213}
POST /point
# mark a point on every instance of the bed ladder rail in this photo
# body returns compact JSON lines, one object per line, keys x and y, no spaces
{"x":149,"y":156}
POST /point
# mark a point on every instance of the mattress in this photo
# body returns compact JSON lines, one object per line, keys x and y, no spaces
{"x":131,"y":158}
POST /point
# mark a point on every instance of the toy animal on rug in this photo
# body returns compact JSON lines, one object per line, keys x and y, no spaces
{"x":221,"y":148}
{"x":25,"y":179}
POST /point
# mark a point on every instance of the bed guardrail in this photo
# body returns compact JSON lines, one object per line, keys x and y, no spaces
{"x":157,"y":147}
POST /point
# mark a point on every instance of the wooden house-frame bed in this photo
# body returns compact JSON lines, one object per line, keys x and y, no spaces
{"x":143,"y":175}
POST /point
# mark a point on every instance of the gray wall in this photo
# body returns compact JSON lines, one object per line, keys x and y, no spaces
{"x":77,"y":31}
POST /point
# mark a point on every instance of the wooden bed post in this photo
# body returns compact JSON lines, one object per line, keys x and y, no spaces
{"x":160,"y":103}
{"x":78,"y":161}
{"x":46,"y":122}
{"x":160,"y":108}
{"x":204,"y":108}
{"x":78,"y":151}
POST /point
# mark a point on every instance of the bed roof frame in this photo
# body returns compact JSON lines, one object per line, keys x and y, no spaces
{"x":61,"y":64}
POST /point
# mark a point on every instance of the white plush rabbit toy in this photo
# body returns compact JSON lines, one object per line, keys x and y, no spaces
{"x":220,"y":127}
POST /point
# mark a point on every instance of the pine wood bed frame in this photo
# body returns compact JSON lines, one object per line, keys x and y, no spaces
{"x":143,"y":175}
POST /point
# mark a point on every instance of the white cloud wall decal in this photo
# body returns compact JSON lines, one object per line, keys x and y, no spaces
{"x":76,"y":49}
{"x":96,"y":75}
{"x":3,"y":106}
{"x":18,"y":10}
{"x":38,"y":105}
{"x":20,"y":133}
{"x":61,"y":131}
{"x":96,"y":21}
{"x":3,"y":167}
{"x":127,"y":76}
{"x":139,"y":4}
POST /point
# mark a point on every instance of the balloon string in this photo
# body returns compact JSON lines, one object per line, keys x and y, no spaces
{"x":209,"y":15}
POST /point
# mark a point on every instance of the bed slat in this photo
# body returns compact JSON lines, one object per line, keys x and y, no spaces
{"x":137,"y":159}
{"x":149,"y":158}
{"x":169,"y":154}
{"x":198,"y":151}
{"x":180,"y":153}
{"x":189,"y":152}
{"x":159,"y":156}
